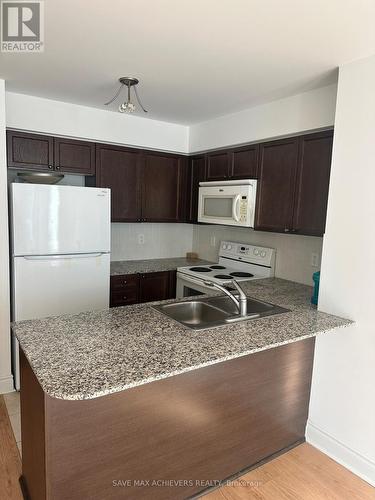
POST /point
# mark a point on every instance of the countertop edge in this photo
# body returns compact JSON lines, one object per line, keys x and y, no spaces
{"x":191,"y":368}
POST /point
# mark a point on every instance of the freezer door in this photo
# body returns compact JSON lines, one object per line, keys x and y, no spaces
{"x":53,"y":285}
{"x":48,"y":220}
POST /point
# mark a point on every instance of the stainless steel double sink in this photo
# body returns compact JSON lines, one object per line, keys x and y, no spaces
{"x":210,"y":312}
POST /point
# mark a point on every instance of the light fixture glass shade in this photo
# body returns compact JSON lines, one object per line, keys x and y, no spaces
{"x":126,"y":107}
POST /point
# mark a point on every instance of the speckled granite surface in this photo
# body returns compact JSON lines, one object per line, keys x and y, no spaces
{"x":152,"y":265}
{"x":92,"y":354}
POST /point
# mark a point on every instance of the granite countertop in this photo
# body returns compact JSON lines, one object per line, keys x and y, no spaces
{"x":92,"y":354}
{"x":152,"y":265}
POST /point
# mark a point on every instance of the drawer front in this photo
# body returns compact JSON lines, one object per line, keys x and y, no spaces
{"x":119,"y":283}
{"x":125,"y":297}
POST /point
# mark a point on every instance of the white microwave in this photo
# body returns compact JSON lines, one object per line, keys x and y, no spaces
{"x":230,"y":203}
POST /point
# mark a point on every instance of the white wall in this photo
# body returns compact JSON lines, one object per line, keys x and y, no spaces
{"x":160,"y":241}
{"x":342,"y":409}
{"x":6,"y":379}
{"x":303,"y":112}
{"x":35,"y":114}
{"x":293,"y":252}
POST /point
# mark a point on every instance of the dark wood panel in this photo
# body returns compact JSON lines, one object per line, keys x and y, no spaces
{"x":120,"y":170}
{"x":197,"y":175}
{"x":172,"y":284}
{"x":204,"y":425}
{"x":33,"y":433}
{"x":314,"y":167}
{"x":244,"y":162}
{"x":122,"y":281}
{"x":276,"y":186}
{"x":162,"y":199}
{"x":124,"y":290}
{"x":77,"y":157}
{"x":218,"y":166}
{"x":154,"y":286}
{"x":29,"y":151}
{"x":125,"y":297}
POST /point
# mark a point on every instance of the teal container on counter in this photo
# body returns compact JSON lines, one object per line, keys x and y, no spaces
{"x":316,"y":279}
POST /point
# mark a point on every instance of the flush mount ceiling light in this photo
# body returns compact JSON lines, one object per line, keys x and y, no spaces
{"x":127,"y":106}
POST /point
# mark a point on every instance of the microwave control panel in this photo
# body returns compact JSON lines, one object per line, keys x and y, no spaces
{"x":243,"y":209}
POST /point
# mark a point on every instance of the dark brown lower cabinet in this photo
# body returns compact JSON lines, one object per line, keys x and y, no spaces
{"x":168,"y":439}
{"x":154,"y":286}
{"x":124,"y":290}
{"x":130,"y":289}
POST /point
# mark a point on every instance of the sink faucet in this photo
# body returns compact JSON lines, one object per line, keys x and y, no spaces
{"x":241,"y":302}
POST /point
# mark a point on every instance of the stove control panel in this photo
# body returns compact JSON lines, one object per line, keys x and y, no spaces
{"x":249,"y":253}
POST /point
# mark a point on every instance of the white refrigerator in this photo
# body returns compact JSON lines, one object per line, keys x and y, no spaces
{"x":60,"y":248}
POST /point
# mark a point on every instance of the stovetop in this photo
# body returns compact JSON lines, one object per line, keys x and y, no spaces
{"x":218,"y":273}
{"x":238,"y":261}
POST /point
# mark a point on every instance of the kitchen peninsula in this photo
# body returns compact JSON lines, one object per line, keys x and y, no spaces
{"x":113,"y":401}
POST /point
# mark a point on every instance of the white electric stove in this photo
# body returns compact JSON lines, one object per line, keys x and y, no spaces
{"x":239,"y":261}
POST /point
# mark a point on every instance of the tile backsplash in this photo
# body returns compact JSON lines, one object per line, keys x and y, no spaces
{"x":150,"y":241}
{"x":293,"y":252}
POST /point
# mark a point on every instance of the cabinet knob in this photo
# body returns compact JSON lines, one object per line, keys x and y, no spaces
{"x":124,"y":297}
{"x":124,"y":282}
{"x":286,"y":230}
{"x":57,"y":167}
{"x":50,"y":167}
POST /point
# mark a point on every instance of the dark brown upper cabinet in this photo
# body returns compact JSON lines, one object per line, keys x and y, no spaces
{"x":76,"y":157}
{"x":276,"y":186}
{"x":314,"y":166}
{"x":244,"y":162}
{"x":163,"y":188}
{"x":293,"y":185}
{"x":196,"y":174}
{"x":43,"y":152}
{"x":29,"y":151}
{"x":239,"y":163}
{"x":217,"y":166}
{"x":119,"y":169}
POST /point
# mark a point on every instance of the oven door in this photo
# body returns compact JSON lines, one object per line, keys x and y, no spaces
{"x":232,"y":205}
{"x":190,"y":288}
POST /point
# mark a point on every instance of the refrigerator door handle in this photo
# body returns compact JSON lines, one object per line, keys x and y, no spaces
{"x":62,"y":257}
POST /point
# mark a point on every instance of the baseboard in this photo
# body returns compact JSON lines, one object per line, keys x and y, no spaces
{"x":352,"y":460}
{"x":6,"y":384}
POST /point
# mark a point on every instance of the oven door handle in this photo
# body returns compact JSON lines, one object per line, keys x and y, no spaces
{"x":195,"y":281}
{"x":236,"y":208}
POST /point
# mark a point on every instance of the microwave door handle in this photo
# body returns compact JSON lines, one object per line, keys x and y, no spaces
{"x":235,"y":208}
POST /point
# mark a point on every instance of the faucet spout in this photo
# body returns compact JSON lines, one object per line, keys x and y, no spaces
{"x":240,"y":303}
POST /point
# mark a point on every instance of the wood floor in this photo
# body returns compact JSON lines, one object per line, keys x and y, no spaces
{"x":303,"y":473}
{"x":10,"y":459}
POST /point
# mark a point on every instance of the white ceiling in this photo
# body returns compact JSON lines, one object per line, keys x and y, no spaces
{"x":196,"y":59}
